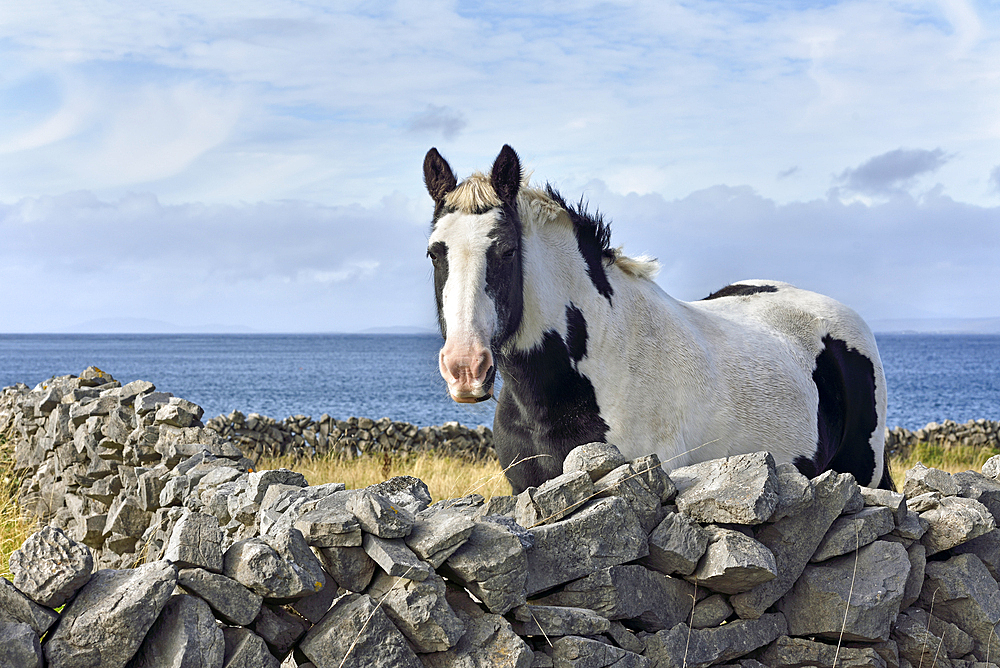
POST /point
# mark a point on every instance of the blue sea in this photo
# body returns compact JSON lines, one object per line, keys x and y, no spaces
{"x":929,"y":377}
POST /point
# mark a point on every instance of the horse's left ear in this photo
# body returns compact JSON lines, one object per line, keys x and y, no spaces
{"x":506,"y":175}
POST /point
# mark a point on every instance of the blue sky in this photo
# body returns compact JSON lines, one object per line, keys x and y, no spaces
{"x":259,"y":167}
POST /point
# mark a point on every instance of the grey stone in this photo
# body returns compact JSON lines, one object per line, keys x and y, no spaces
{"x":605,"y":532}
{"x":179,"y":413}
{"x":742,"y":489}
{"x":991,"y":469}
{"x":314,"y":606}
{"x":196,"y":542}
{"x":406,"y":491}
{"x":733,"y":563}
{"x":973,"y":485}
{"x":795,"y":492}
{"x":558,"y":497}
{"x":911,"y":527}
{"x":924,"y":502}
{"x":793,"y":540}
{"x":420,"y":610}
{"x":232,"y":602}
{"x":351,"y":567}
{"x":963,"y":592}
{"x":576,"y":652}
{"x":920,"y":480}
{"x":50,"y":567}
{"x":954,"y":521}
{"x":787,"y":652}
{"x":650,"y":470}
{"x":126,"y":517}
{"x":624,"y":638}
{"x":596,"y":459}
{"x":557,"y":620}
{"x":917,"y":554}
{"x":19,"y":646}
{"x":379,"y":516}
{"x":436,"y":535}
{"x":16,"y":608}
{"x":326,"y":527}
{"x":185,"y":635}
{"x":885,"y":498}
{"x":150,"y":485}
{"x":356,"y":633}
{"x":246,"y":649}
{"x":130,"y":391}
{"x":259,"y":481}
{"x":923,"y":639}
{"x":676,"y":545}
{"x":395,"y":558}
{"x":488,"y":642}
{"x":107,"y":621}
{"x":987,"y":548}
{"x":626,"y":482}
{"x":492,"y":565}
{"x":710,"y":612}
{"x":700,"y":648}
{"x":855,"y":503}
{"x":852,"y":532}
{"x":276,"y":567}
{"x":650,"y":600}
{"x":855,"y":596}
{"x":279,"y":628}
{"x":151,"y":401}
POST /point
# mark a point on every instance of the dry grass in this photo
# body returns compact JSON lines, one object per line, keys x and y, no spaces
{"x":951,"y":459}
{"x":445,"y":477}
{"x":14,"y":529}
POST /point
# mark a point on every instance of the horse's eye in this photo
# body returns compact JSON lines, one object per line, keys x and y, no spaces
{"x":509,"y":253}
{"x":432,"y":255}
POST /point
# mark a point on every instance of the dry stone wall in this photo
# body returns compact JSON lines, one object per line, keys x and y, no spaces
{"x":166,"y":547}
{"x":974,"y":433}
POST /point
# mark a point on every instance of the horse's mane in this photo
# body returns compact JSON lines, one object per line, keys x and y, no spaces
{"x":538,"y":206}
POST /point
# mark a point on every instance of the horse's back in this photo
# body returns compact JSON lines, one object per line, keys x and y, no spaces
{"x":836,"y":349}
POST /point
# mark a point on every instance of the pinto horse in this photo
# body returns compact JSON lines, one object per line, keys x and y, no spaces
{"x":589,"y":347}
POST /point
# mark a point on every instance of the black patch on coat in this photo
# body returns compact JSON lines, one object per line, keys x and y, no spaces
{"x":593,"y":239}
{"x":438,"y":253}
{"x":576,"y":333}
{"x":740,"y":290}
{"x":846,"y":415}
{"x":546,"y":407}
{"x":504,"y":280}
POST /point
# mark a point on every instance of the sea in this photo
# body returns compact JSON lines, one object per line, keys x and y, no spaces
{"x":930,"y":377}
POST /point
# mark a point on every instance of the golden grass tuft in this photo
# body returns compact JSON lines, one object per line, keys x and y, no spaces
{"x":952,"y":459}
{"x":445,"y":477}
{"x":14,"y":528}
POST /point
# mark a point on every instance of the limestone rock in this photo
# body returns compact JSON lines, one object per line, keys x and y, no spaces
{"x":395,"y":558}
{"x":558,"y":497}
{"x":492,"y":565}
{"x":576,"y":652}
{"x":356,"y":633}
{"x":246,"y":649}
{"x":603,"y":533}
{"x":596,"y":459}
{"x":788,"y":652}
{"x":379,"y":516}
{"x":710,"y":612}
{"x":795,"y":491}
{"x":419,"y":610}
{"x":954,"y":521}
{"x":50,"y":567}
{"x":234,"y":603}
{"x":861,"y":600}
{"x":276,"y":567}
{"x":733,"y":563}
{"x":16,"y":608}
{"x":19,"y":646}
{"x":279,"y":629}
{"x":987,"y":548}
{"x":406,"y":491}
{"x":885,"y":498}
{"x":742,"y":489}
{"x":557,"y":620}
{"x":436,"y":535}
{"x":626,"y":482}
{"x":676,"y":545}
{"x":920,"y":480}
{"x":328,"y":527}
{"x":650,"y":471}
{"x":185,"y":635}
{"x":196,"y":542}
{"x":107,"y":621}
{"x":700,"y":648}
{"x":964,"y":593}
{"x":351,"y":567}
{"x":851,"y":532}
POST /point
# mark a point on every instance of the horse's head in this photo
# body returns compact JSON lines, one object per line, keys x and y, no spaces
{"x":475,"y":246}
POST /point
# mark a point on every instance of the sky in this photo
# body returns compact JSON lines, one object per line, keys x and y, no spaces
{"x":256,"y":166}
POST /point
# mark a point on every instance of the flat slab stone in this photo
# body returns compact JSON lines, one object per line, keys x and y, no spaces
{"x":50,"y":567}
{"x":107,"y":621}
{"x":19,"y":646}
{"x":857,"y":595}
{"x":605,"y":532}
{"x":851,"y":532}
{"x":742,"y":489}
{"x":576,"y":652}
{"x":795,"y":652}
{"x":955,"y":520}
{"x":964,"y":593}
{"x":437,"y":534}
{"x":328,"y":527}
{"x":556,"y":498}
{"x":700,"y":648}
{"x":627,"y":483}
{"x":16,"y":608}
{"x":795,"y":491}
{"x":246,"y":649}
{"x":395,"y":558}
{"x":556,"y":620}
{"x":710,"y":612}
{"x":186,"y":632}
{"x":350,"y":567}
{"x":356,"y":633}
{"x":279,"y":628}
{"x":793,"y":540}
{"x":232,"y":602}
{"x":379,"y":516}
{"x":921,"y":479}
{"x":885,"y":498}
{"x":649,"y":599}
{"x":196,"y":542}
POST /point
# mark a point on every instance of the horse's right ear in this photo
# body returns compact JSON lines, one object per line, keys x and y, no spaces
{"x":438,"y":177}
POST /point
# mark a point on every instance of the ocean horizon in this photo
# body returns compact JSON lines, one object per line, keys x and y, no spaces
{"x":930,"y":377}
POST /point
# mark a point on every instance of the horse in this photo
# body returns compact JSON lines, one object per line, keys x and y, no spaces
{"x":589,"y":348}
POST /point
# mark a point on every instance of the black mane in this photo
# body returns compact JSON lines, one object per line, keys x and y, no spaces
{"x":591,"y":228}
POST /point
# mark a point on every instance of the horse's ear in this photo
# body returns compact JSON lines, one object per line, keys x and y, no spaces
{"x":438,"y":177}
{"x":506,"y":175}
